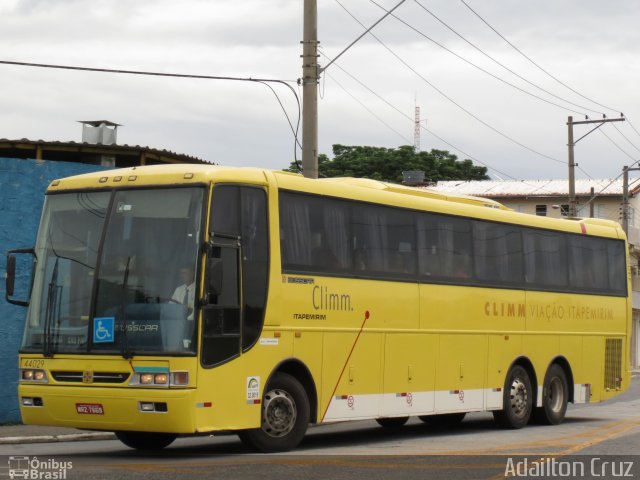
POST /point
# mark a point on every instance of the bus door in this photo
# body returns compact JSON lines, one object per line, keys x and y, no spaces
{"x":237,"y":273}
{"x":222,"y":313}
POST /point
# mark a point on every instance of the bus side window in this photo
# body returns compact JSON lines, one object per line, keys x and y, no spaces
{"x":255,"y":262}
{"x":444,"y":248}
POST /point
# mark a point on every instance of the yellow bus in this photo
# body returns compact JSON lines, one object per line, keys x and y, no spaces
{"x":186,"y":299}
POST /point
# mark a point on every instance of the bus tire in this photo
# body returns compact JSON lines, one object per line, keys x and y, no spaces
{"x":555,"y":394}
{"x":445,"y":419}
{"x":145,"y":440}
{"x":392,"y":422}
{"x":517,"y":403}
{"x":284,"y":419}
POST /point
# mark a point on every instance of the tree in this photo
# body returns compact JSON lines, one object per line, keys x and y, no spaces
{"x":387,"y":164}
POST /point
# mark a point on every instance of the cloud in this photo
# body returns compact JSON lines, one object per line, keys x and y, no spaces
{"x":243,"y":124}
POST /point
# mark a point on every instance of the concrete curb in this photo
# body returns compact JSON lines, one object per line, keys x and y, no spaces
{"x":73,"y":437}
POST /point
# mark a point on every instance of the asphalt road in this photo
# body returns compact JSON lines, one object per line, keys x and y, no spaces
{"x":595,"y":441}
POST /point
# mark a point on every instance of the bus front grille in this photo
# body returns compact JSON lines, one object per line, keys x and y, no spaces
{"x":613,"y":364}
{"x":94,"y":377}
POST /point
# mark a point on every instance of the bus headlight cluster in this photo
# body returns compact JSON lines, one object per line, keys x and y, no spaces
{"x":151,"y":379}
{"x":33,"y":375}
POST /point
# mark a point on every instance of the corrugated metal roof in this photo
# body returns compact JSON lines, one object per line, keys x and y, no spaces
{"x":123,"y":148}
{"x":533,"y":188}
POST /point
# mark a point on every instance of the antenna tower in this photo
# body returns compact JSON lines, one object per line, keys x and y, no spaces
{"x":416,"y":130}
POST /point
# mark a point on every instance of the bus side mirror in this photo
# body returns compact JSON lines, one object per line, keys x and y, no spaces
{"x":10,"y":276}
{"x":214,"y":276}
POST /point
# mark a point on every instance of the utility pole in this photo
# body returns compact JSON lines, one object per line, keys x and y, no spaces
{"x":310,"y":90}
{"x":310,"y":74}
{"x":625,"y":198}
{"x":572,"y":165}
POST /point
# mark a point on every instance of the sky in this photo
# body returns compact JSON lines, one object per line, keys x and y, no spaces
{"x":470,"y":84}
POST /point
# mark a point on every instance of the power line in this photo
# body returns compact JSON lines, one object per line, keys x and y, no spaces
{"x":147,"y":73}
{"x":546,"y":71}
{"x":384,"y":100}
{"x":362,"y":104}
{"x":504,"y":135}
{"x":625,"y":137}
{"x":617,"y":146}
{"x":296,"y":142}
{"x":606,"y":186}
{"x":454,"y":147}
{"x":533,"y":62}
{"x":631,"y":125}
{"x":263,"y":81}
{"x":502,"y":80}
{"x":363,"y":34}
{"x":582,"y":170}
{"x":503,"y":65}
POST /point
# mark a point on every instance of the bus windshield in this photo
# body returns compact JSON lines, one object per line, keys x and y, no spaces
{"x":115,"y":273}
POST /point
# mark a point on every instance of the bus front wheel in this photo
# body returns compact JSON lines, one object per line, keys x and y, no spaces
{"x":555,"y":394}
{"x":285,"y":416}
{"x":146,"y":441}
{"x":517,"y":400}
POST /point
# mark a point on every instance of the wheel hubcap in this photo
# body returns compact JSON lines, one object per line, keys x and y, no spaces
{"x":555,"y":395}
{"x":278,"y":413}
{"x":519,"y":398}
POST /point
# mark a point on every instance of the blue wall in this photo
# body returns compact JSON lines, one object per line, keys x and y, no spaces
{"x":22,"y":187}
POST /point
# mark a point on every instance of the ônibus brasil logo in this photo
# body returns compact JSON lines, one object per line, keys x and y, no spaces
{"x":36,"y":469}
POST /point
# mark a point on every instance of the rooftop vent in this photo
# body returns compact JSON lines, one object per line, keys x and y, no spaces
{"x":99,"y":132}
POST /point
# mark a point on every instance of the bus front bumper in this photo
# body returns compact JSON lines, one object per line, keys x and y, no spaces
{"x":109,"y":409}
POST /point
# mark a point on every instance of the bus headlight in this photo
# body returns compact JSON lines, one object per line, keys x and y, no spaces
{"x":151,"y":379}
{"x":33,"y":375}
{"x":160,"y":378}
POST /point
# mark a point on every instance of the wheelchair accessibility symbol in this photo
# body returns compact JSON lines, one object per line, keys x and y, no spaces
{"x":103,"y":328}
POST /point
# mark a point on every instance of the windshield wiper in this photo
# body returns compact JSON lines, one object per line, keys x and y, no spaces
{"x":124,"y":344}
{"x":51,"y":311}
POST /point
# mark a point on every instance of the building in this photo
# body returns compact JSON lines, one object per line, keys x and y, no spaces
{"x":98,"y":147}
{"x":595,"y":198}
{"x":26,"y":169}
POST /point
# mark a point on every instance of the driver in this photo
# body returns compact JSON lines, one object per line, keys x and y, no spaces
{"x":185,"y":292}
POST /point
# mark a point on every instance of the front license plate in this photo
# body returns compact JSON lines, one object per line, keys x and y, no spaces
{"x":89,"y":408}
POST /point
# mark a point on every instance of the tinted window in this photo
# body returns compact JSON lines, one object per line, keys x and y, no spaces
{"x":325,"y":235}
{"x":384,"y":241}
{"x":225,"y":214}
{"x":545,"y":255}
{"x":588,"y":263}
{"x":444,"y":248}
{"x":497,"y":253}
{"x":255,"y":265}
{"x":617,"y":267}
{"x":314,"y":234}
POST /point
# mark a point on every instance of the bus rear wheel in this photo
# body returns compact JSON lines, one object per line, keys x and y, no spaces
{"x":517,"y":402}
{"x":146,"y":441}
{"x":555,"y":394}
{"x":285,"y":416}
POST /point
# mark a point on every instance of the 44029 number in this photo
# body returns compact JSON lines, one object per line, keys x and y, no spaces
{"x":32,"y":363}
